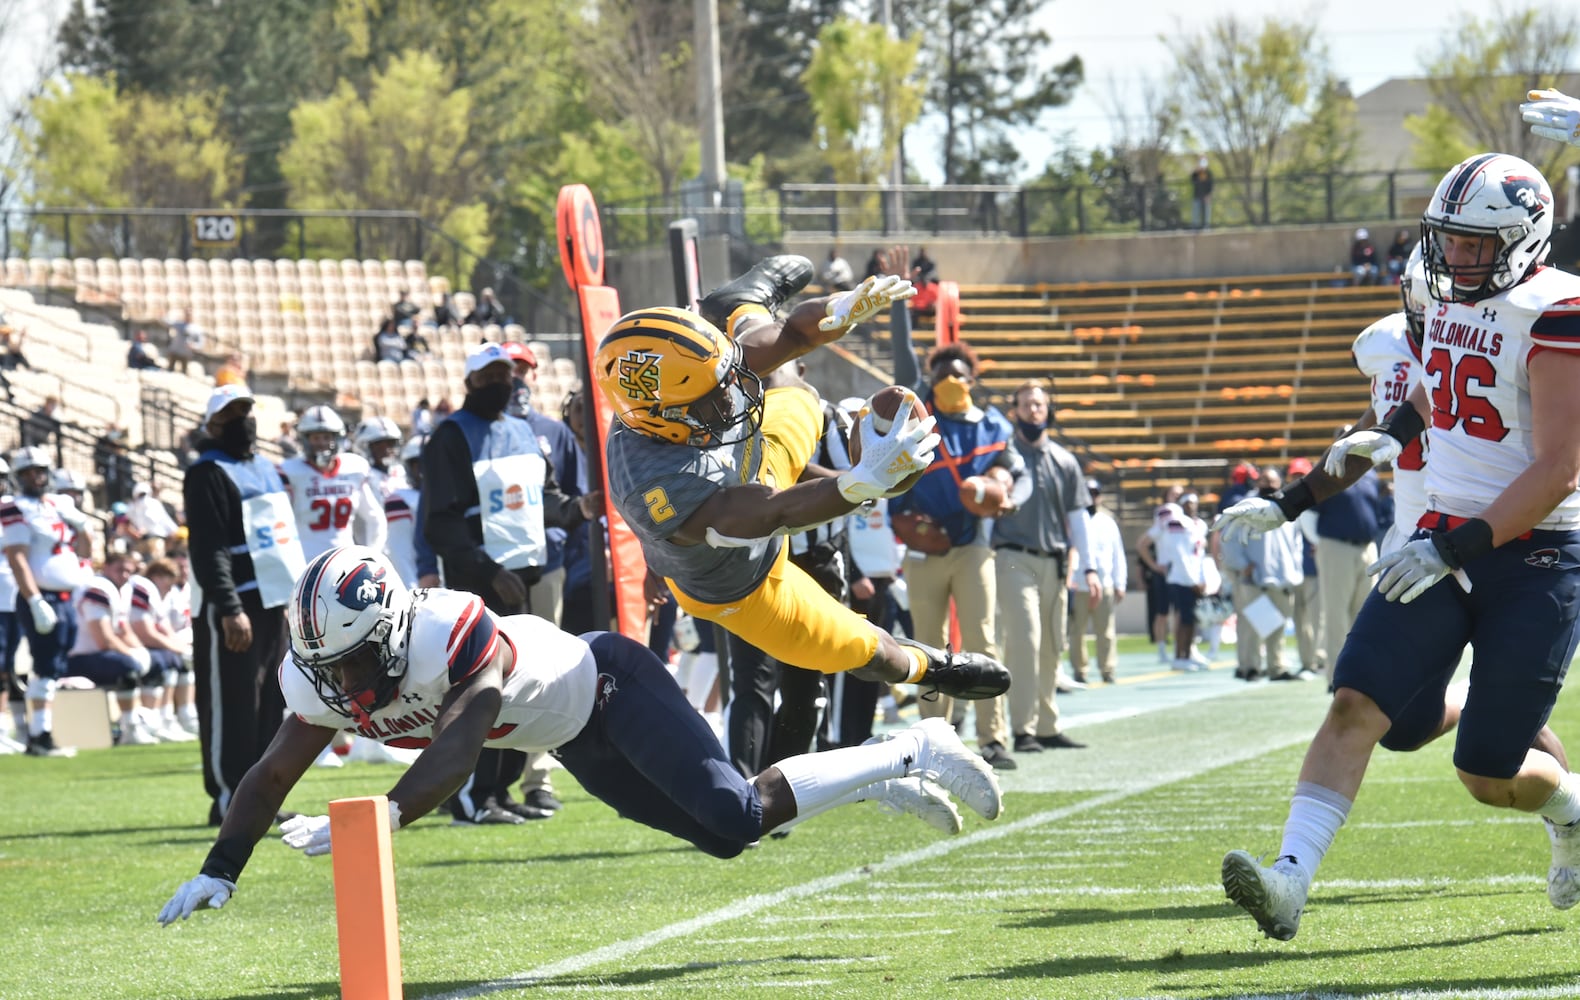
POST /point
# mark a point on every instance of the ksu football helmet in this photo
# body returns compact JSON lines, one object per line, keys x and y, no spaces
{"x":321,"y":420}
{"x":350,"y":607}
{"x":1489,"y":195}
{"x":671,"y":375}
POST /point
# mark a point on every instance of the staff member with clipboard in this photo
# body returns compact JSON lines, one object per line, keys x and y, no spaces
{"x":245,"y":557}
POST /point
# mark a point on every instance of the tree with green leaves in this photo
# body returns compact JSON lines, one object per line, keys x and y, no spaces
{"x":1478,"y":77}
{"x":91,"y":146}
{"x":864,"y":92}
{"x":983,"y":58}
{"x":1243,"y":89}
{"x":406,"y":146}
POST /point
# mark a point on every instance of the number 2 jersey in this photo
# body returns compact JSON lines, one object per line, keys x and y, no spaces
{"x":327,"y":502}
{"x":1385,"y":354}
{"x":548,"y":690}
{"x":1476,"y":357}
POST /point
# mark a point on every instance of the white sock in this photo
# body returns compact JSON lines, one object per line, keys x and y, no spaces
{"x":863,"y":794}
{"x":1315,"y":815}
{"x":1563,"y":807}
{"x":821,"y":781}
{"x":699,"y":683}
{"x":43,"y":721}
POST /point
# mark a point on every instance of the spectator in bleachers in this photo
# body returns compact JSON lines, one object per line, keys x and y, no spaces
{"x":42,"y":424}
{"x":141,"y":354}
{"x":11,"y":336}
{"x":287,"y":443}
{"x":874,"y":265}
{"x":445,"y":315}
{"x":1363,"y":259}
{"x":388,"y":344}
{"x":837,"y":275}
{"x":443,"y":409}
{"x":1201,"y":195}
{"x":150,"y":519}
{"x":1404,"y":241}
{"x":487,"y":311}
{"x":416,"y":344}
{"x":404,"y":308}
{"x":187,"y":341}
{"x":113,"y":464}
{"x":924,"y":304}
{"x":924,"y":264}
{"x":232,"y":372}
{"x":422,"y":418}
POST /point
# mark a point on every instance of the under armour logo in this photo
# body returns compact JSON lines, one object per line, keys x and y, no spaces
{"x":411,"y":698}
{"x":1489,"y":315}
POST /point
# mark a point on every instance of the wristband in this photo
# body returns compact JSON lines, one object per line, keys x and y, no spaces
{"x":1464,"y":543}
{"x":1294,"y":498}
{"x":1403,"y":425}
{"x":227,"y":858}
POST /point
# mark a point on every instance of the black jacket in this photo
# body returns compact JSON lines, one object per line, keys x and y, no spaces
{"x":213,"y":506}
{"x":449,"y":490}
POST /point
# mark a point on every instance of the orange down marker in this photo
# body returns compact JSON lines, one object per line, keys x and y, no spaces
{"x":359,"y":829}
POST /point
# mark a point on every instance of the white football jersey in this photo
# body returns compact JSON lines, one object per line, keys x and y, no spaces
{"x":400,"y":542}
{"x":146,"y":603}
{"x":1474,"y":358}
{"x":328,"y":502}
{"x":1385,"y":354}
{"x":1184,"y":550}
{"x":387,"y":481}
{"x":36,"y":522}
{"x":548,"y":690}
{"x":99,"y":599}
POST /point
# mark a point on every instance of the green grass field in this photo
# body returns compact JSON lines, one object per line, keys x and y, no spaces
{"x":1100,"y":881}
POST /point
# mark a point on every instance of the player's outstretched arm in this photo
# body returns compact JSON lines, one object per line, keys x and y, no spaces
{"x":819,"y":321}
{"x":252,"y":810}
{"x":1553,"y":115}
{"x":468,"y":712}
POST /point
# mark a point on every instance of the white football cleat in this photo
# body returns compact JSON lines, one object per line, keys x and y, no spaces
{"x":945,"y":760}
{"x":1563,"y":878}
{"x":1274,"y":898}
{"x":922,"y":799}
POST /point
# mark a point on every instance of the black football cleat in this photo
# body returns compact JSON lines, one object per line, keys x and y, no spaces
{"x":971,"y":676}
{"x":768,"y":284}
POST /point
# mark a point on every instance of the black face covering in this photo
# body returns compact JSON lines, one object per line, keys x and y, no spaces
{"x":239,"y":437}
{"x":1265,"y":491}
{"x":1030,"y":431}
{"x":489,"y":401}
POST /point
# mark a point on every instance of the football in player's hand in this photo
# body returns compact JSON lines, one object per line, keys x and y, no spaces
{"x":881,"y":408}
{"x":983,"y":496}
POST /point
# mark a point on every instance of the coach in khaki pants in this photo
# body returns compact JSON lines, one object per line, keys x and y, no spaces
{"x":965,"y":573}
{"x":1030,"y":546}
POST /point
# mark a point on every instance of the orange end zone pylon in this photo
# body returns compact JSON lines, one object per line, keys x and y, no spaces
{"x":365,"y":898}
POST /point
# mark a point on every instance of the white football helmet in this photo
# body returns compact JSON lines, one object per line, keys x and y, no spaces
{"x":377,"y":430}
{"x":67,"y":481}
{"x":350,"y":602}
{"x":1413,"y":293}
{"x":317,"y":420}
{"x":35,"y":457}
{"x":1489,"y":195}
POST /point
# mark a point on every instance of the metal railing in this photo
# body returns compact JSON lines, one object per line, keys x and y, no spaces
{"x":997,"y":211}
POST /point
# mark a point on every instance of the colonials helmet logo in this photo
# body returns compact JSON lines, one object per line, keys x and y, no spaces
{"x":1525,"y":191}
{"x":362,"y":587}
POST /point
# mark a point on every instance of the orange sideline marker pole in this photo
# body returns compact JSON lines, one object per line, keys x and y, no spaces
{"x":365,"y":899}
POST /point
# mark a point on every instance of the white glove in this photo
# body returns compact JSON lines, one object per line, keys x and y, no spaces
{"x":1552,"y":115}
{"x":866,"y":300}
{"x":886,"y":459}
{"x":43,"y":615}
{"x":1248,"y":519}
{"x":310,"y":834}
{"x":1409,"y":572}
{"x":202,"y":893}
{"x":1379,"y":447}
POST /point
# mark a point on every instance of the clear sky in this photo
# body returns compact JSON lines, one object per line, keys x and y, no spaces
{"x":1368,"y":41}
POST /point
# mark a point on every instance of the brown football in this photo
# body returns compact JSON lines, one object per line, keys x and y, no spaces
{"x":983,"y":496}
{"x":881,"y":408}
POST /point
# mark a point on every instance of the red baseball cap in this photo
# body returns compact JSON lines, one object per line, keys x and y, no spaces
{"x":520,"y":352}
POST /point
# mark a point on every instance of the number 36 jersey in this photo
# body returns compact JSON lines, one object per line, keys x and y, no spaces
{"x":328,"y":502}
{"x":1476,"y":358}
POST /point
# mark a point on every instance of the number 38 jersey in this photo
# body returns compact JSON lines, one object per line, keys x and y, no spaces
{"x":1385,"y":354}
{"x":1475,"y":357}
{"x":327,"y":502}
